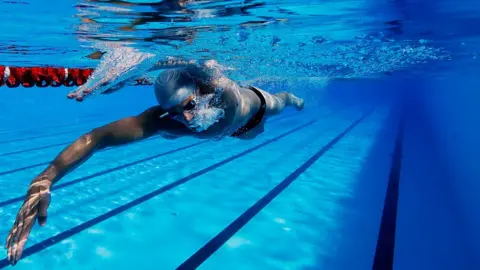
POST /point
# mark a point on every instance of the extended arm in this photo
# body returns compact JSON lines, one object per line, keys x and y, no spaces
{"x":120,"y":132}
{"x":37,"y":199}
{"x":126,"y":67}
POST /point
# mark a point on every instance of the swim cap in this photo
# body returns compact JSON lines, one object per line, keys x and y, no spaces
{"x":172,"y":87}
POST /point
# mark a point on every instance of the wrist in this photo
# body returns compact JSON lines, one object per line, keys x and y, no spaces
{"x":41,"y":183}
{"x":46,"y":178}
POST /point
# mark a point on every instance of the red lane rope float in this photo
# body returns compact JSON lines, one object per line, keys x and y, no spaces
{"x":48,"y":76}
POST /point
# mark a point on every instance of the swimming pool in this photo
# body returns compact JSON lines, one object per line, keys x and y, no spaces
{"x":169,"y":200}
{"x":350,"y":182}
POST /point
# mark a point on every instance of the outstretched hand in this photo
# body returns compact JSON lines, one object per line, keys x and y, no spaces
{"x":125,"y":65}
{"x":119,"y":66}
{"x":34,"y":208}
{"x":82,"y":92}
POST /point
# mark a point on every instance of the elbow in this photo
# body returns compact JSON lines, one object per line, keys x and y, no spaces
{"x":87,"y":139}
{"x":94,"y":139}
{"x":83,"y":147}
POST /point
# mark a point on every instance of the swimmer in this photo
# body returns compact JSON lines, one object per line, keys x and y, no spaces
{"x":194,"y":99}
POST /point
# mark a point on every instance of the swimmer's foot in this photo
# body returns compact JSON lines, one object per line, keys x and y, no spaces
{"x":291,"y":100}
{"x":300,"y":104}
{"x":297,"y":102}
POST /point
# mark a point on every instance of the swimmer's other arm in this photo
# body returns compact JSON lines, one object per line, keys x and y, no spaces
{"x":120,"y":132}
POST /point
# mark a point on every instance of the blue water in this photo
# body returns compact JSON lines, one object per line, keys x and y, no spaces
{"x":177,"y":222}
{"x":309,"y":193}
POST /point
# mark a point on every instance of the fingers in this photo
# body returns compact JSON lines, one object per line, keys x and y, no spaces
{"x":35,"y":203}
{"x":17,"y":227}
{"x":83,"y":91}
{"x":7,"y":241}
{"x":23,"y":239}
{"x":42,"y":209}
{"x":84,"y":94}
{"x":10,"y":235}
{"x":15,"y":249}
{"x":11,"y":245}
{"x":78,"y":95}
{"x":19,"y":234}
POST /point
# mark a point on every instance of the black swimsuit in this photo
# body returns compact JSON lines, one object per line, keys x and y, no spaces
{"x":256,"y":119}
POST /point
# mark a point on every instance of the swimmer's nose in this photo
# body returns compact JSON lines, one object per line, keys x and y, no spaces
{"x":188,"y":116}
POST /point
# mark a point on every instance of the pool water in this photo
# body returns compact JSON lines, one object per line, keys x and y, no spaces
{"x":165,"y":202}
{"x":218,"y":182}
{"x":187,"y":204}
{"x":355,"y":180}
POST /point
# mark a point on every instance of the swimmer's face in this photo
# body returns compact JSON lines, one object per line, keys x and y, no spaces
{"x":184,"y":112}
{"x":196,"y":111}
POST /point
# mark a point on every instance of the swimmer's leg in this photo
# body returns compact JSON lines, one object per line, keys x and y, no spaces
{"x":290,"y":99}
{"x":278,"y":101}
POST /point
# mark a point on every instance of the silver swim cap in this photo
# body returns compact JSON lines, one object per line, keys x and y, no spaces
{"x":172,"y":87}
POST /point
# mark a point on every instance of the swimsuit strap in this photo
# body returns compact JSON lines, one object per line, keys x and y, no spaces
{"x":257,"y":118}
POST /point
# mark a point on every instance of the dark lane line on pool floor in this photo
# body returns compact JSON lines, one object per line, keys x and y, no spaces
{"x":82,"y":179}
{"x":114,"y":193}
{"x":79,"y":228}
{"x":216,"y":242}
{"x":46,"y":128}
{"x":119,"y":189}
{"x":33,"y":149}
{"x":48,"y":162}
{"x":44,"y":136}
{"x":385,"y":250}
{"x":5,"y":132}
{"x":66,"y":143}
{"x":112,"y":148}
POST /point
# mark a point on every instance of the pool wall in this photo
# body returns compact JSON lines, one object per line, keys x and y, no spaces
{"x":447,"y":107}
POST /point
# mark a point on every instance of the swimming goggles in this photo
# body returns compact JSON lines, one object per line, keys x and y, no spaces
{"x":188,"y":107}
